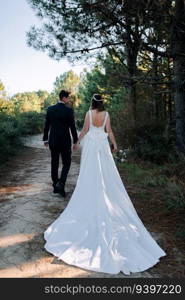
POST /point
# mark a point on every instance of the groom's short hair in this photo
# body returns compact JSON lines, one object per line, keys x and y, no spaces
{"x":63,"y":94}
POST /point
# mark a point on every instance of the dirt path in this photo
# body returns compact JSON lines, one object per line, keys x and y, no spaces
{"x":27,"y":207}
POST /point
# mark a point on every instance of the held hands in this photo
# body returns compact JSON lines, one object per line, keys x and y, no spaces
{"x":46,"y":144}
{"x":75,"y":146}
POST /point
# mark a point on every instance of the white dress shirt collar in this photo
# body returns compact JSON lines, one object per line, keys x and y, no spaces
{"x":59,"y":101}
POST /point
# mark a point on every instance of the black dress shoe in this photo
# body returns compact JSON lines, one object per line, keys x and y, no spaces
{"x":62,"y":193}
{"x":54,"y":185}
{"x":59,"y":188}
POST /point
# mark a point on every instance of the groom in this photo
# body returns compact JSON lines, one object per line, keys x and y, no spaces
{"x":59,"y":120}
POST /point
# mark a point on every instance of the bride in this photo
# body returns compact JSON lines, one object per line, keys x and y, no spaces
{"x":100,"y":230}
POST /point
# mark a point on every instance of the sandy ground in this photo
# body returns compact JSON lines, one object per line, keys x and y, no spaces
{"x":27,"y":207}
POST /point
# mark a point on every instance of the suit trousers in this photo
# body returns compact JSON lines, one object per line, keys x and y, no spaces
{"x":65,"y":153}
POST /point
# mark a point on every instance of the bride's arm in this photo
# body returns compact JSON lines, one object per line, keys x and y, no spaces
{"x":85,"y":128}
{"x":111,"y":134}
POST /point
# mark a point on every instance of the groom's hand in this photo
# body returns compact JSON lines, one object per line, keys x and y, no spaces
{"x":46,"y":144}
{"x":75,"y":146}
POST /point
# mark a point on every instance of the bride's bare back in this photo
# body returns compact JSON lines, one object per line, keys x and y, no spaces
{"x":98,"y":117}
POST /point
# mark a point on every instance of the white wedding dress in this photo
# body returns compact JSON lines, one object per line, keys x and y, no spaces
{"x":100,"y":230}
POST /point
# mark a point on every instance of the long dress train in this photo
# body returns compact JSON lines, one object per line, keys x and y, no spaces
{"x":100,"y":230}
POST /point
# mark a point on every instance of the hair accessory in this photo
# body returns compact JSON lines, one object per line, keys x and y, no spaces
{"x":96,"y":99}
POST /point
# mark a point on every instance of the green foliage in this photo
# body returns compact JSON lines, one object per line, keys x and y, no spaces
{"x":9,"y":126}
{"x":50,"y":100}
{"x":104,"y":79}
{"x":150,"y":143}
{"x":24,"y":102}
{"x":43,"y":96}
{"x":90,"y":84}
{"x":9,"y":135}
{"x":5,"y":103}
{"x":154,"y":181}
{"x":12,"y":128}
{"x":135,"y":173}
{"x":142,"y":41}
{"x":73,"y":28}
{"x":19,"y":116}
{"x":151,"y":177}
{"x":180,"y":233}
{"x":31,"y":122}
{"x":67,"y":81}
{"x":174,"y":196}
{"x":2,"y":90}
{"x":6,"y":106}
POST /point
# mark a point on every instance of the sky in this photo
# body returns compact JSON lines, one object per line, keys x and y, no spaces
{"x":24,"y":69}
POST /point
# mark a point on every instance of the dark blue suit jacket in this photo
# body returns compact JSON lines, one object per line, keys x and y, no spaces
{"x":59,"y":122}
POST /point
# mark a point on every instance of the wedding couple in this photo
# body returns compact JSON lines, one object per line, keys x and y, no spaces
{"x":99,"y":230}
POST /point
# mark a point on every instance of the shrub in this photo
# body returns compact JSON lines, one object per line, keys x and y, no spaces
{"x":175,"y":196}
{"x":151,"y":143}
{"x":9,"y":135}
{"x":13,"y":127}
{"x":31,"y":122}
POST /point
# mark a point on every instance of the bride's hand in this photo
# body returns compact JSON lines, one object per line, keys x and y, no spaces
{"x":115,"y":148}
{"x":75,"y":146}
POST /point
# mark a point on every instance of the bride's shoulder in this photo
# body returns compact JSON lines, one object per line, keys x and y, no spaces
{"x":87,"y":115}
{"x":88,"y":112}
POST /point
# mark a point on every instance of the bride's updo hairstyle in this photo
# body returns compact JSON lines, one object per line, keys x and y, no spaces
{"x":97,"y":102}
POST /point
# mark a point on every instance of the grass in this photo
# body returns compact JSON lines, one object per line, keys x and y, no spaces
{"x":158,"y":195}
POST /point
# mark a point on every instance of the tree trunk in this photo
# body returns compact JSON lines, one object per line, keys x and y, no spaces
{"x":132,"y":69}
{"x":178,"y":45}
{"x":170,"y":96}
{"x":155,"y":98}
